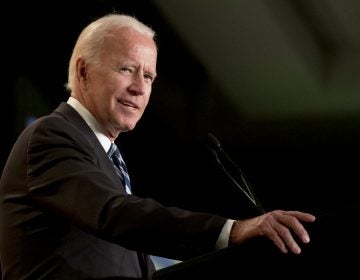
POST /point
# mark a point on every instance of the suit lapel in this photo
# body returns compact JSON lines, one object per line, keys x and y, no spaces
{"x":103,"y":161}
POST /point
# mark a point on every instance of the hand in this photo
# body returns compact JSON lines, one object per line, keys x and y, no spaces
{"x":277,"y":225}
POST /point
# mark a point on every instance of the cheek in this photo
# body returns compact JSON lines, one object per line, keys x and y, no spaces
{"x":147,"y":98}
{"x":106,"y":92}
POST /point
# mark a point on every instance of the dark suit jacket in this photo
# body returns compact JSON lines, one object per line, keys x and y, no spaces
{"x":65,"y":215}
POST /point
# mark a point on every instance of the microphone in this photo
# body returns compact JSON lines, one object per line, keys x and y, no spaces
{"x":213,"y":142}
{"x":215,"y":147}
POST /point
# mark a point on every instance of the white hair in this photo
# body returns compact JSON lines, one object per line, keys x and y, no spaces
{"x":90,"y":40}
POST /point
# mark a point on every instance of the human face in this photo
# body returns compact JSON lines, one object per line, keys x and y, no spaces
{"x":117,"y":89}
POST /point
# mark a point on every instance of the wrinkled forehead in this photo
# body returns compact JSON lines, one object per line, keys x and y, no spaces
{"x":130,"y":45}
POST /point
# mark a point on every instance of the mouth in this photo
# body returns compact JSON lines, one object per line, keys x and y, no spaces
{"x":128,"y":103}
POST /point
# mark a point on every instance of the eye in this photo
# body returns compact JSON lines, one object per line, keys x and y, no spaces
{"x":126,"y":70}
{"x":149,"y":77}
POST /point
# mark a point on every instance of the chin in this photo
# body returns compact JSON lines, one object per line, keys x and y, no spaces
{"x":126,"y":124}
{"x":129,"y":127}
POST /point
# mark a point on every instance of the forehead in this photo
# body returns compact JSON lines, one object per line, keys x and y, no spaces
{"x":127,"y":43}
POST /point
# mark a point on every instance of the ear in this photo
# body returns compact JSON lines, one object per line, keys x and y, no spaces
{"x":81,"y":72}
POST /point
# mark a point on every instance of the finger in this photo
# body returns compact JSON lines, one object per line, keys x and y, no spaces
{"x":284,"y":234}
{"x":291,"y":221}
{"x":302,"y":216}
{"x":270,"y":232}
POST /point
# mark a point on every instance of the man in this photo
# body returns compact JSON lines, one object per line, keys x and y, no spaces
{"x":67,"y":211}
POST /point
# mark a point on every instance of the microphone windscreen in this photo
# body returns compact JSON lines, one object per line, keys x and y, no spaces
{"x":213,"y":142}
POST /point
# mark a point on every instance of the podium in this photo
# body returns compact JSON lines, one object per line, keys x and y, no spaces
{"x":222,"y":264}
{"x":334,"y":246}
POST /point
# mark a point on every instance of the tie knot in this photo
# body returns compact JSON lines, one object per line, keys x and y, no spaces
{"x":115,"y":155}
{"x":113,"y":151}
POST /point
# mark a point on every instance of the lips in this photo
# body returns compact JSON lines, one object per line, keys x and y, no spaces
{"x":128,"y":103}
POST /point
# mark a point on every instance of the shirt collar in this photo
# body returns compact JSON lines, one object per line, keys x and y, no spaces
{"x":91,"y":122}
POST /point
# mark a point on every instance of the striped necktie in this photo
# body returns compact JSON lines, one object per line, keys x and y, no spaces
{"x":120,"y":166}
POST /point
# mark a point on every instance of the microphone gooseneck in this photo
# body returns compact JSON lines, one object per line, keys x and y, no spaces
{"x":215,"y":147}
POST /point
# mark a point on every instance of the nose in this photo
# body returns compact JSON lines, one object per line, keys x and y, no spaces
{"x":138,"y":85}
